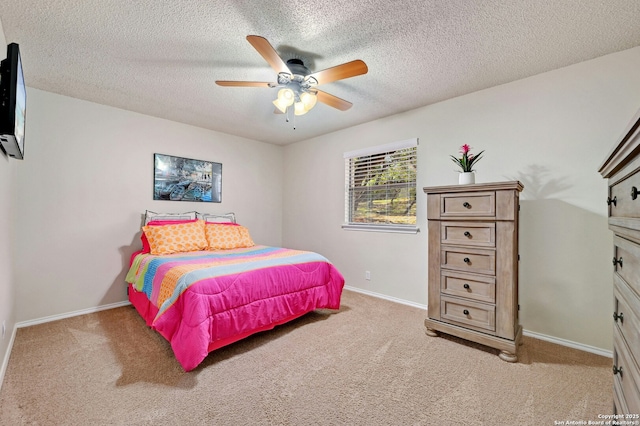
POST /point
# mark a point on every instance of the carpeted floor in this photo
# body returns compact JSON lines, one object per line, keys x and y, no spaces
{"x":368,"y":364}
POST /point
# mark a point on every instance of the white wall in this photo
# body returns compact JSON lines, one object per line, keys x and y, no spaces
{"x":550,"y":131}
{"x":86,"y":180}
{"x":7,"y":292}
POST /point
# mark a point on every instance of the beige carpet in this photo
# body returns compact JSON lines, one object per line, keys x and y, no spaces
{"x":368,"y":364}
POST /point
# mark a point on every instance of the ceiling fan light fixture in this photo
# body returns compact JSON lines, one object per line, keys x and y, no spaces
{"x":308,"y":99}
{"x":286,"y":97}
{"x":300,"y":109}
{"x":280,"y":106}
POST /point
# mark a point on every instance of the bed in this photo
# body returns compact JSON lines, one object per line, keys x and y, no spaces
{"x":215,"y":290}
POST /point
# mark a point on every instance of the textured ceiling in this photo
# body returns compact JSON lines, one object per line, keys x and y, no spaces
{"x":162,"y":58}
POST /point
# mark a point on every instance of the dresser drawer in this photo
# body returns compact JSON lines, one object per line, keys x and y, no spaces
{"x":626,"y":381}
{"x":624,"y":204}
{"x":627,"y":256}
{"x":468,"y":204}
{"x":476,"y":287}
{"x":470,"y":314}
{"x":626,"y":308}
{"x":466,"y":259}
{"x":469,"y":233}
{"x":619,"y":406}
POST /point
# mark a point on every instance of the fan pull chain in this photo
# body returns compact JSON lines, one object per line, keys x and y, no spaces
{"x":287,"y":119}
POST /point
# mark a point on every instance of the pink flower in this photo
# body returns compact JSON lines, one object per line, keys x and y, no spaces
{"x":468,"y":159}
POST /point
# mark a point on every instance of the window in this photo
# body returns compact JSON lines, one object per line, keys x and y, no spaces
{"x":380,"y":188}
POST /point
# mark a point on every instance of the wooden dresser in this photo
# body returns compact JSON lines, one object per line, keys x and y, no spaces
{"x":473,"y":264}
{"x":622,"y":169}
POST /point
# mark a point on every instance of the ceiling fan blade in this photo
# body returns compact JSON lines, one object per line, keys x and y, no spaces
{"x":340,"y":72}
{"x":333,"y":101}
{"x":245,"y":84}
{"x":268,"y":53}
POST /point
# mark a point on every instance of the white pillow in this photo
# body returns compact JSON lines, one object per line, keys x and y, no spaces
{"x":210,"y":217}
{"x":149,"y":216}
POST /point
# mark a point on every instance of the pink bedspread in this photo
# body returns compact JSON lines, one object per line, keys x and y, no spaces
{"x":202,"y":300}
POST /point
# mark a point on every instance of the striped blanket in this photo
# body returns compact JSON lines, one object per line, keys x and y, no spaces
{"x":206,"y":297}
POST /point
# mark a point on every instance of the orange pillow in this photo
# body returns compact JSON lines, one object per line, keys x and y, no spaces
{"x":224,"y":237}
{"x":178,"y":238}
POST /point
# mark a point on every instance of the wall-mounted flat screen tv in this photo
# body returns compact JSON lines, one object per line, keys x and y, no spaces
{"x":13,"y":103}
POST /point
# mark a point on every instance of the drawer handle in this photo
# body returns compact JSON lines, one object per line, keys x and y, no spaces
{"x":467,"y":234}
{"x":618,"y":316}
{"x":468,"y":261}
{"x":617,"y":370}
{"x":617,"y":261}
{"x":634,"y":192}
{"x":465,"y":312}
{"x":466,"y":286}
{"x":612,"y":200}
{"x":466,"y":205}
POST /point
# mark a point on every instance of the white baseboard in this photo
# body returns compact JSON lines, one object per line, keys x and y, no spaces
{"x":71,"y":314}
{"x":569,"y":343}
{"x":385,"y":297}
{"x":556,"y":340}
{"x":7,"y":354}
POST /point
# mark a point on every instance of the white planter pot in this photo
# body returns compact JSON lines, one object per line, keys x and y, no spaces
{"x":466,"y":178}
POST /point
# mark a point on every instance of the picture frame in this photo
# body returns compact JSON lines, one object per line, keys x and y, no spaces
{"x":186,"y":179}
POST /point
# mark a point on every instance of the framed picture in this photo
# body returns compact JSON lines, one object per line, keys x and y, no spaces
{"x":185,"y":179}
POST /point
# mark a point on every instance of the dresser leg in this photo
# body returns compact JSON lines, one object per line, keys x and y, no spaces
{"x":431,"y":332}
{"x":508,"y":356}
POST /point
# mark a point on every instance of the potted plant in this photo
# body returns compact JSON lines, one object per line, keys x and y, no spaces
{"x":466,"y":163}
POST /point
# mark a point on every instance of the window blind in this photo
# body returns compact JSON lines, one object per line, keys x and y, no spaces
{"x":380,"y":187}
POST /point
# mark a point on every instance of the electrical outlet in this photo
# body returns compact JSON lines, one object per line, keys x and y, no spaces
{"x":367,"y":275}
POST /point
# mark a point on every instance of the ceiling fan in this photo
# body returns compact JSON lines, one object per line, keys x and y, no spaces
{"x":297,"y":82}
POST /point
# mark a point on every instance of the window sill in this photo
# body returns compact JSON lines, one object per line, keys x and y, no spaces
{"x":395,"y":229}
